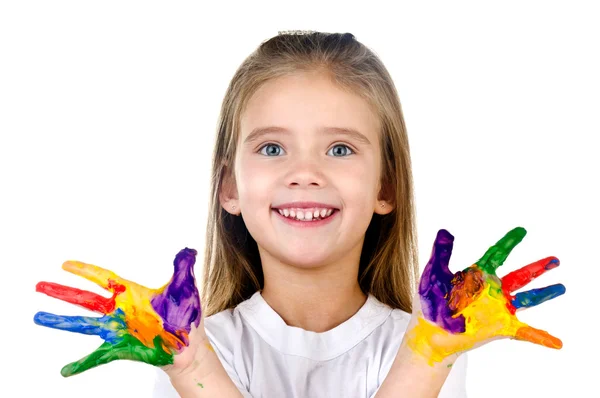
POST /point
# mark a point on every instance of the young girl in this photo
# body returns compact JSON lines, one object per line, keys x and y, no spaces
{"x":311,"y":262}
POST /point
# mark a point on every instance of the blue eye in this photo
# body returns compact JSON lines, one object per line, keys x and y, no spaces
{"x":343,"y":146}
{"x":272,"y":145}
{"x":269,"y":145}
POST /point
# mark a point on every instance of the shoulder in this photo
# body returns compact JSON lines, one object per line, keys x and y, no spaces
{"x":230,"y":320}
{"x":384,"y":341}
{"x":229,"y":329}
{"x":399,"y":319}
{"x":396,"y":323}
{"x":224,"y":319}
{"x":224,"y":328}
{"x":388,"y":340}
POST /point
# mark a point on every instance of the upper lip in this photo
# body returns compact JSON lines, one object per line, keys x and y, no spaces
{"x":304,"y":205}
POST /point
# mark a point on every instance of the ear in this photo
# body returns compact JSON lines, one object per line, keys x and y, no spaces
{"x":384,"y":203}
{"x":383,"y":207}
{"x":228,"y":194}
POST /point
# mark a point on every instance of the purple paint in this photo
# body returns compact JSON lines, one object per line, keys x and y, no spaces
{"x":179,"y":303}
{"x":436,"y":284}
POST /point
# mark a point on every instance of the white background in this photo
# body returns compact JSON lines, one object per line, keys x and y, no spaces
{"x":108,"y":114}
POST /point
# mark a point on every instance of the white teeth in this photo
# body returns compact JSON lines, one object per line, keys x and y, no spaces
{"x":304,"y":215}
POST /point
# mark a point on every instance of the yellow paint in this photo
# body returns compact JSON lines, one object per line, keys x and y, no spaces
{"x":209,"y":346}
{"x":486,"y":317}
{"x":142,"y":321}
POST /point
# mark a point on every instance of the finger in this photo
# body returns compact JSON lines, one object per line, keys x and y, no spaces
{"x":537,"y":336}
{"x":110,"y":328}
{"x":128,"y":348}
{"x":100,"y":276}
{"x":437,"y":269}
{"x":495,"y":256}
{"x":436,"y":284}
{"x":178,"y":302}
{"x":521,"y":277}
{"x":534,"y":297}
{"x":87,"y":300}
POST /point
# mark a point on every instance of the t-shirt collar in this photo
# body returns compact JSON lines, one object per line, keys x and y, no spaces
{"x":323,"y":346}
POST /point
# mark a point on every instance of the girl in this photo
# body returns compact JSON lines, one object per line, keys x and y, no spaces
{"x":311,"y":128}
{"x":311,"y":262}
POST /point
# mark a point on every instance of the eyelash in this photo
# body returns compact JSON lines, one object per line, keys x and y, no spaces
{"x":338,"y":144}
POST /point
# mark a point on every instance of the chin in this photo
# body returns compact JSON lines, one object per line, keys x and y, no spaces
{"x":305,"y":261}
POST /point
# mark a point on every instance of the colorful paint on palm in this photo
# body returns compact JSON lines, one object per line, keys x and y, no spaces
{"x":139,"y":323}
{"x":467,"y":309}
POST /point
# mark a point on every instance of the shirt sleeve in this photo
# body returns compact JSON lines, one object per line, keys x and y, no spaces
{"x":164,"y":389}
{"x":226,"y":361}
{"x":455,"y":385}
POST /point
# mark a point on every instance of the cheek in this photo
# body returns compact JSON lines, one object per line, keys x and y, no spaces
{"x":254,"y":182}
{"x":356,"y":183}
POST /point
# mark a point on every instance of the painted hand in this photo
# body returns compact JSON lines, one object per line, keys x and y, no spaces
{"x":458,"y":312}
{"x":139,"y":324}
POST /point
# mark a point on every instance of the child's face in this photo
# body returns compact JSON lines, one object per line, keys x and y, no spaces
{"x":307,"y":165}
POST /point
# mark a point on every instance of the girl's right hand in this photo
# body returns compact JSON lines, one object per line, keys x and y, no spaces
{"x":162,"y":327}
{"x":454,"y":313}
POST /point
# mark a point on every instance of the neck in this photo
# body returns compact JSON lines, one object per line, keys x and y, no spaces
{"x":315,"y":299}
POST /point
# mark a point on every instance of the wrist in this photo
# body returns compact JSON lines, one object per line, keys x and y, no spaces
{"x":415,"y":374}
{"x":201,"y":363}
{"x":204,"y":377}
{"x":430,"y":343}
{"x":422,"y":355}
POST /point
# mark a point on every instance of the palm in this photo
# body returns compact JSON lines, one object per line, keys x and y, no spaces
{"x":458,"y":312}
{"x":139,"y":323}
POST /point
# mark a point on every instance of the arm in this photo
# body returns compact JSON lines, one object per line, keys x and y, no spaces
{"x":207,"y":378}
{"x":163,"y":327}
{"x":455,"y":313}
{"x":413,"y":375}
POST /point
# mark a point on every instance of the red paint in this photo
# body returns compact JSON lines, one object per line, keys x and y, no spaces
{"x":521,"y":277}
{"x":116,"y":287}
{"x":307,"y":224}
{"x":88,"y":300}
{"x":511,"y":308}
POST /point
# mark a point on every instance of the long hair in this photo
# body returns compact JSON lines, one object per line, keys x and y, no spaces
{"x":389,"y":260}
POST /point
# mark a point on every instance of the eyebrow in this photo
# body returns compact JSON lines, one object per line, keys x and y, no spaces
{"x":259,"y":132}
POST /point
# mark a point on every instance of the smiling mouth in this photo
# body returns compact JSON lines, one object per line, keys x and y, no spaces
{"x":306,"y":215}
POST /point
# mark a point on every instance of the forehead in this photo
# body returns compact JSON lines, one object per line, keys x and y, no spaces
{"x":306,"y":102}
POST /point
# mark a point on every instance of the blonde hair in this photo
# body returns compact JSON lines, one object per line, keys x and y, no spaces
{"x":388,"y":265}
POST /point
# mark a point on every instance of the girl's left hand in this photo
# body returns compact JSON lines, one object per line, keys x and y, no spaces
{"x":458,"y":312}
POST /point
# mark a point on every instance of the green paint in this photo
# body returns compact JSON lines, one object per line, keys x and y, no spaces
{"x":495,"y":288}
{"x":200,"y":384}
{"x":494,"y":257}
{"x":129,"y":348}
{"x":449,"y":365}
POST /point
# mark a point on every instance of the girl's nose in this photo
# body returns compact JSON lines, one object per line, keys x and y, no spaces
{"x":304,"y":173}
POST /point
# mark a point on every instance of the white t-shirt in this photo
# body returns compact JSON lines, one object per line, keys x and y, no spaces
{"x":267,"y":358}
